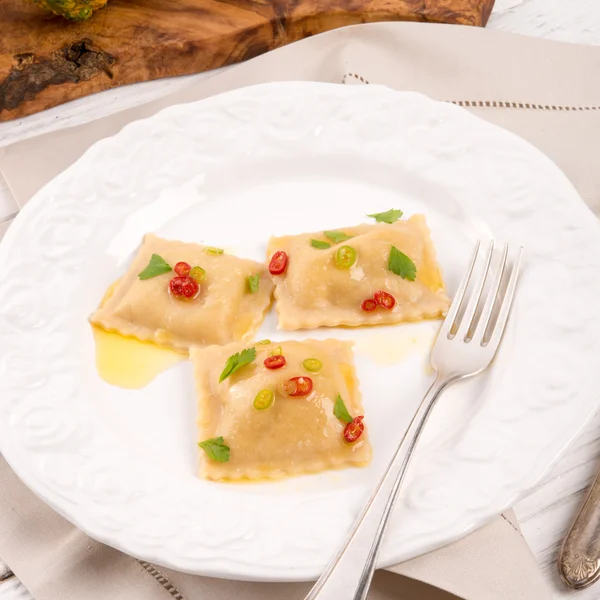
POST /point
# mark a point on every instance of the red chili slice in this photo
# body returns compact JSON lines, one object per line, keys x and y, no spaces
{"x":279,"y":263}
{"x":354,"y":430}
{"x":183,"y":288}
{"x":369,"y":304}
{"x":385,"y":300}
{"x":288,"y":387}
{"x":182,"y":269}
{"x":275,"y":362}
{"x":297,"y":386}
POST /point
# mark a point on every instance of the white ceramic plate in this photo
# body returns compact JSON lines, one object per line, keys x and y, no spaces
{"x":230,"y":171}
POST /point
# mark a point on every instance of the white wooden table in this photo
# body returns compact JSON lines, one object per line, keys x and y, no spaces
{"x":546,"y":512}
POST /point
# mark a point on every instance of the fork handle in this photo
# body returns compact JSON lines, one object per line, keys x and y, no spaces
{"x":349,"y":574}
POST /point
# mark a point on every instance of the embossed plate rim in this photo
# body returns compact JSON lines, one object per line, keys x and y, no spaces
{"x":446,"y":154}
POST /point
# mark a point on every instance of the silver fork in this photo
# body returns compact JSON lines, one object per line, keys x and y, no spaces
{"x":465,"y":346}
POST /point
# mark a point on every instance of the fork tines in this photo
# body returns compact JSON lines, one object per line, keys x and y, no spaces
{"x":484,"y":317}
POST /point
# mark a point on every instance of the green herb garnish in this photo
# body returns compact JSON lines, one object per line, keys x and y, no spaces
{"x":237,"y":361}
{"x":253,"y":281}
{"x":402,"y":265}
{"x":213,"y":251}
{"x":337,"y":236}
{"x":320,"y":245}
{"x":157,"y":266}
{"x":340,"y":410}
{"x":216,"y":449}
{"x":389,"y":216}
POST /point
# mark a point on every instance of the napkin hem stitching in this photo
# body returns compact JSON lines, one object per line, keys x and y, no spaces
{"x":512,"y":525}
{"x":522,"y":105}
{"x":162,"y":580}
{"x":494,"y":103}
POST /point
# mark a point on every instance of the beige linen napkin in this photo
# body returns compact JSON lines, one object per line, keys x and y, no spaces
{"x":545,"y":91}
{"x":56,"y":561}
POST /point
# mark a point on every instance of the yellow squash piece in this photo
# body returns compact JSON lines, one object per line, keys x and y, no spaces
{"x":75,"y":10}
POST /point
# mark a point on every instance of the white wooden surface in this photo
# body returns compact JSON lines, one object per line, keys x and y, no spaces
{"x":545,"y":514}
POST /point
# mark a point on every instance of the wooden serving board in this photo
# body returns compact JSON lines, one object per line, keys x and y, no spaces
{"x":46,"y":60}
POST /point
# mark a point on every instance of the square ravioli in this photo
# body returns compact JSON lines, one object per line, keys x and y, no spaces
{"x":280,"y":434}
{"x":325,"y":286}
{"x":223,"y":311}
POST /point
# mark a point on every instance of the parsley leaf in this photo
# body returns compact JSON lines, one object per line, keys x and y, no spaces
{"x":340,"y":410}
{"x":216,"y":448}
{"x":389,"y":216}
{"x":237,"y":361}
{"x":402,"y":265}
{"x":337,"y":236}
{"x":320,"y":245}
{"x":253,"y":281}
{"x":157,"y":266}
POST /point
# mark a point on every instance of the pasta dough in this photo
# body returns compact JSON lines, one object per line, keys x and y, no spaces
{"x":294,"y":435}
{"x":224,"y":311}
{"x":313,"y":292}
